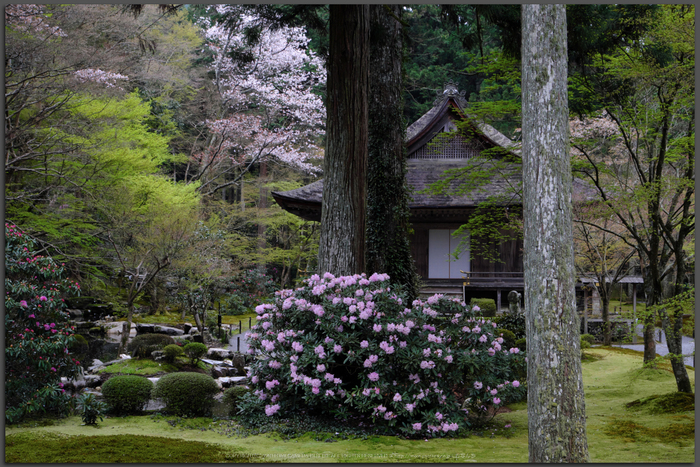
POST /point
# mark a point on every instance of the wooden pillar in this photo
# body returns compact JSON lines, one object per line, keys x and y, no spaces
{"x":498,"y":301}
{"x":585,"y":310}
{"x":634,"y":312}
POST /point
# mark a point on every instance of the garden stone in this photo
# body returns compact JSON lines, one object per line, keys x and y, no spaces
{"x":92,"y":381}
{"x":145,"y":328}
{"x":75,"y":314}
{"x":187,"y":327}
{"x":219,"y":353}
{"x":95,"y":365}
{"x":167,"y":330}
{"x":158,"y":356}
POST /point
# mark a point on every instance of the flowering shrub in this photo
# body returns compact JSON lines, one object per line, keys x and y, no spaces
{"x":37,"y":330}
{"x":351,"y":346}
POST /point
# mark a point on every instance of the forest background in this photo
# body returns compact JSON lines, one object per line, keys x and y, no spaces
{"x":141,"y":149}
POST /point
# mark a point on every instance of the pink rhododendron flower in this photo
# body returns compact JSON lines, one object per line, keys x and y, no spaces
{"x":397,"y":397}
{"x":321,"y":368}
{"x":496,"y":400}
{"x":374,"y":376}
{"x":270,"y":410}
{"x":478,"y":385}
{"x":516,"y":383}
{"x":417,"y":427}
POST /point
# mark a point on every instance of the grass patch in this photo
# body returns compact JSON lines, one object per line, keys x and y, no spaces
{"x":612,"y":379}
{"x":144,"y":367}
{"x":630,"y":432}
{"x":674,"y":402}
{"x":57,"y":448}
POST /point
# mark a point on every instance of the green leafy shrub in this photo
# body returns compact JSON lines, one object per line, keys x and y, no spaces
{"x":172,"y":352}
{"x":37,"y":330}
{"x":521,"y":344}
{"x":143,"y":345}
{"x":186,"y":393}
{"x":195,"y":351}
{"x":233,"y":395}
{"x":514,"y":322}
{"x":486,"y":307}
{"x":251,"y":287}
{"x":590,"y":339}
{"x":234,"y":305}
{"x":127,"y":394}
{"x":90,"y":409}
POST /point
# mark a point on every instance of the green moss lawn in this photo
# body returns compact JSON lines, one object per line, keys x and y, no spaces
{"x":650,"y":431}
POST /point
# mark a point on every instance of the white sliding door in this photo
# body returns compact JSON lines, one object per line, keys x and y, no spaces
{"x":442,"y":247}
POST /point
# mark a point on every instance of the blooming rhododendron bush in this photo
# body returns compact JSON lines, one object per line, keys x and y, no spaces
{"x":352,"y":347}
{"x":37,"y":331}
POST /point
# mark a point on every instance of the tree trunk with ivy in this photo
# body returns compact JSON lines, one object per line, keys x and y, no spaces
{"x":342,"y":243}
{"x":388,"y":247}
{"x":556,"y":407}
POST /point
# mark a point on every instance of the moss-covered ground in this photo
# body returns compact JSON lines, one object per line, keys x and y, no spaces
{"x":651,"y":429}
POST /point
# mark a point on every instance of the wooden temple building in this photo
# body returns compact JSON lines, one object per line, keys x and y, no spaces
{"x":435,"y":217}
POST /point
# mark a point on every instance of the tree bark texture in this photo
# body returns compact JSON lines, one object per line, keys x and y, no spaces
{"x":342,"y":242}
{"x":388,"y":246}
{"x":556,"y":409}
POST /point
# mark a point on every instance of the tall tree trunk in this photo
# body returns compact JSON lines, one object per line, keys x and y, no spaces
{"x":605,"y":302}
{"x":556,"y":407}
{"x":388,"y":247}
{"x":342,"y":243}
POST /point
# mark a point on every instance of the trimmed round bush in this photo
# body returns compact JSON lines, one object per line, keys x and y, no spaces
{"x":143,"y":345}
{"x":487,"y":307}
{"x":186,"y":393}
{"x":590,"y":339}
{"x":233,"y":395}
{"x":195,"y":350}
{"x":172,"y":351}
{"x":127,"y":394}
{"x":521,"y":344}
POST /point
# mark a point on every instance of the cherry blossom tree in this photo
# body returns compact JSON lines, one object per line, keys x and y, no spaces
{"x":269,"y":111}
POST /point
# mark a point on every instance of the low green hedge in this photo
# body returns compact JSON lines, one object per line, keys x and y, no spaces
{"x":143,"y":345}
{"x":487,"y":306}
{"x":127,"y":394}
{"x":186,"y":393}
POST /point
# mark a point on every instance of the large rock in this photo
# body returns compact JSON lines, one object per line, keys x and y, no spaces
{"x":219,"y":353}
{"x":158,"y":329}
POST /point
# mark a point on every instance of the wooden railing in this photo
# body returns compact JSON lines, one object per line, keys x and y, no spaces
{"x":501,"y":279}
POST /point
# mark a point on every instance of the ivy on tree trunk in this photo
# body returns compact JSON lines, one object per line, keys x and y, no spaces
{"x":556,"y":408}
{"x":388,"y":247}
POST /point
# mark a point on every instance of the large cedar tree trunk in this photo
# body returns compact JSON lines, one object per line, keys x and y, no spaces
{"x":555,"y":402}
{"x":388,"y":247}
{"x":342,"y":243}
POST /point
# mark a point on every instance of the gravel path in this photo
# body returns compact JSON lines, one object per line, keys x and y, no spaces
{"x":661,"y":347}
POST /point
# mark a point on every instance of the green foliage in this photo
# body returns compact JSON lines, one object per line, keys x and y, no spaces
{"x":233,"y":305}
{"x":127,"y":394}
{"x":486,"y":305}
{"x":233,"y":395}
{"x":514,"y":322}
{"x":38,"y":333}
{"x":195,"y":351}
{"x":172,"y":352}
{"x":521,"y":344}
{"x":90,"y":409}
{"x":674,"y":402}
{"x":253,"y":287}
{"x":143,"y":345}
{"x":589,"y":338}
{"x":186,"y":393}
